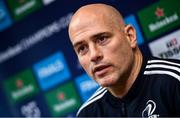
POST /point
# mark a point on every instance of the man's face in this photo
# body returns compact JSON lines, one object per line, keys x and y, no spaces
{"x":103,"y":50}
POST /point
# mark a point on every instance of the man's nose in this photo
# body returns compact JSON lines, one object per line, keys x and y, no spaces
{"x":95,"y":54}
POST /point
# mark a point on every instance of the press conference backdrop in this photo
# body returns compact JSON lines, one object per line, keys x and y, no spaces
{"x":39,"y":71}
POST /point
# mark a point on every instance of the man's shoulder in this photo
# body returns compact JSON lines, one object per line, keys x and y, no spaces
{"x":97,"y":96}
{"x":168,"y":68}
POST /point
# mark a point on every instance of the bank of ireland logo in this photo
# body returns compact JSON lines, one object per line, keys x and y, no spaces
{"x":148,"y":112}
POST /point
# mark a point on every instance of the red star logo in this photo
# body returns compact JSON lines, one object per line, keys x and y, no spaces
{"x":19,"y":83}
{"x":159,"y":12}
{"x":174,"y":41}
{"x":61,"y":96}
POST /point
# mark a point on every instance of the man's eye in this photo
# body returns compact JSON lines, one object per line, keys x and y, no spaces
{"x":102,"y":39}
{"x":82,"y":50}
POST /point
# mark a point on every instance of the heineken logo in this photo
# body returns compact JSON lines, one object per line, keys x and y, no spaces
{"x":164,"y":22}
{"x":159,"y":18}
{"x":21,"y":8}
{"x":21,"y":86}
{"x":63,"y":100}
{"x":159,"y":12}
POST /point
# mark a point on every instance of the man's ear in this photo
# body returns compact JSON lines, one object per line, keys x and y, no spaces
{"x":131,"y":35}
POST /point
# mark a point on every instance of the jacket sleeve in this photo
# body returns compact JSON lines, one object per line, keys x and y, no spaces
{"x":177,"y":99}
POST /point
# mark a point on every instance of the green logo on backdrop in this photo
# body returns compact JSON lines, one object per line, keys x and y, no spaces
{"x":63,"y":100}
{"x":21,"y":86}
{"x":21,"y":8}
{"x":160,"y":17}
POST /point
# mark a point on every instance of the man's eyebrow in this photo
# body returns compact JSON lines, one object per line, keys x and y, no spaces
{"x":98,"y":35}
{"x":77,"y":43}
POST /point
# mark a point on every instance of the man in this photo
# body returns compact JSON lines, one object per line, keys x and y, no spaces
{"x":131,"y":85}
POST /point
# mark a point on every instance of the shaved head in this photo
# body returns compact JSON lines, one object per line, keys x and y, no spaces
{"x":105,"y":46}
{"x":89,"y":14}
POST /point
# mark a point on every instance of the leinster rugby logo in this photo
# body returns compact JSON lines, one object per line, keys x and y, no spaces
{"x":149,"y":110}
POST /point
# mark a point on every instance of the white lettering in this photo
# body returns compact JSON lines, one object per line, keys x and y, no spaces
{"x":170,"y":52}
{"x":50,"y":69}
{"x":22,"y":92}
{"x":25,"y":7}
{"x":64,"y":105}
{"x":35,"y":38}
{"x":166,"y":21}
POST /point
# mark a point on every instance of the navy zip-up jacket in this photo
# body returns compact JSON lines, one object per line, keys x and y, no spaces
{"x":155,"y":93}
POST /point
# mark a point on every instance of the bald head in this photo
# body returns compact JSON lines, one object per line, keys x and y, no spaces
{"x":105,"y":47}
{"x":89,"y":14}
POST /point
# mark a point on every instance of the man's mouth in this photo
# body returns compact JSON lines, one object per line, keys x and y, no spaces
{"x":101,"y":70}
